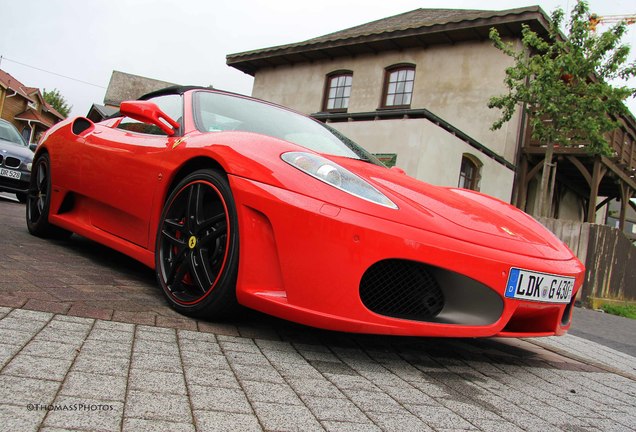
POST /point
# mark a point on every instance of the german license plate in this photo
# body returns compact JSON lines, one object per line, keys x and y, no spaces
{"x":540,"y":287}
{"x":10,"y":173}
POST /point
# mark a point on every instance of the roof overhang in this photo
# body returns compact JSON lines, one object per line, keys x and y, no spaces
{"x":508,"y":24}
{"x":31,"y":116}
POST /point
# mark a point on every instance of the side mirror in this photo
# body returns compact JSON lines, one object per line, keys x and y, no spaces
{"x":149,"y":112}
{"x":32,"y":147}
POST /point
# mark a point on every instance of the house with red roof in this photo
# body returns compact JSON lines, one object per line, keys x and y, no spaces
{"x":25,"y":107}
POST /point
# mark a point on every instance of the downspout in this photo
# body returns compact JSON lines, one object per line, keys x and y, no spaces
{"x":519,"y":187}
{"x":32,"y":131}
{"x":517,"y":184}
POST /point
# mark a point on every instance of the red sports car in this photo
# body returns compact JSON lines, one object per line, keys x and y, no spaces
{"x":233,"y":200}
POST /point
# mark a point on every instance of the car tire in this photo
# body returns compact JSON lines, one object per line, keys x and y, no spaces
{"x":197,"y":247}
{"x":38,"y":202}
{"x":22,"y":197}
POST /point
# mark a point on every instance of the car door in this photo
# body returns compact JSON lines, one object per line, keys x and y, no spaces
{"x":121,"y":172}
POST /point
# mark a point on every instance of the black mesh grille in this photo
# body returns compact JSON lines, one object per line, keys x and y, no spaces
{"x":401,"y":289}
{"x":11,"y":162}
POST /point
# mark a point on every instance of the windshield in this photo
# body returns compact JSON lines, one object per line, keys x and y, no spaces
{"x":9,"y":133}
{"x":216,"y":112}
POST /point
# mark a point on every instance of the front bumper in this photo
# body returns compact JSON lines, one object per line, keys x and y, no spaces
{"x":16,"y":186}
{"x":303,"y":260}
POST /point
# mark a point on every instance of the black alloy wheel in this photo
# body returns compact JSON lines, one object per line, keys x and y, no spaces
{"x":38,"y":201}
{"x":196,"y":253}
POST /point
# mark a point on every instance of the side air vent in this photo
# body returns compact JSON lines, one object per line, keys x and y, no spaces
{"x":81,"y":124}
{"x":401,"y":289}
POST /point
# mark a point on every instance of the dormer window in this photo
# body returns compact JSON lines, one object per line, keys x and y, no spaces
{"x":337,"y":91}
{"x":398,"y":86}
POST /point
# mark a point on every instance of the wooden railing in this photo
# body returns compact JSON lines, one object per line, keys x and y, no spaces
{"x":622,"y":142}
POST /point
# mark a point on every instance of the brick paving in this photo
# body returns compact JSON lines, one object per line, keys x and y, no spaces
{"x":77,"y":277}
{"x":86,"y":343}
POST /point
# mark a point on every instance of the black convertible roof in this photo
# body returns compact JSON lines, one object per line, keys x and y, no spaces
{"x":173,"y":90}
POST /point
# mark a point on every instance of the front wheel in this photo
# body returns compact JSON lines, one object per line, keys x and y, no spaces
{"x":196,"y":255}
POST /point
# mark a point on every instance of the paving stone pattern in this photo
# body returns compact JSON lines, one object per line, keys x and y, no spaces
{"x":73,"y":373}
{"x":87,"y":344}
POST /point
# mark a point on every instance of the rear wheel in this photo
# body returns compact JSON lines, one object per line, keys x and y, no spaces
{"x":196,"y":256}
{"x":38,"y":201}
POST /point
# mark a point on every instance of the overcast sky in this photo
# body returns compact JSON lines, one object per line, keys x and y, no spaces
{"x":186,"y":41}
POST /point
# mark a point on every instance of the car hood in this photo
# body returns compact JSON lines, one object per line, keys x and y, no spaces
{"x":464,"y":214}
{"x":15,"y":150}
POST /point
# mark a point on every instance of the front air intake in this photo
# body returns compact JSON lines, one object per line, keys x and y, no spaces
{"x":401,"y":289}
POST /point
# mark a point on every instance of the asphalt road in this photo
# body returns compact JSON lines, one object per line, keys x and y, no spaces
{"x":611,"y":331}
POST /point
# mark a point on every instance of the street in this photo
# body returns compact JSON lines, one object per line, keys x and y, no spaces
{"x":610,"y":330}
{"x":85,"y":327}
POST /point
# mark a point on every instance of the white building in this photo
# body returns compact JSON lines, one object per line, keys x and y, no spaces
{"x":416,"y":85}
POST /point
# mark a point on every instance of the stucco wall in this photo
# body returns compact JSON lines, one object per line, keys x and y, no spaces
{"x":427,"y":152}
{"x":453,"y":81}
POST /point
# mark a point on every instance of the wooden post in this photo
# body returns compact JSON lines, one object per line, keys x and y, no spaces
{"x":597,"y":175}
{"x":530,"y":174}
{"x":626,"y":195}
{"x":522,"y":184}
{"x":545,"y":180}
{"x":549,"y":201}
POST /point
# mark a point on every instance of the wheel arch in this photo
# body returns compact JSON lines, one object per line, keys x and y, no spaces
{"x":186,"y":168}
{"x":190,"y":166}
{"x":42,"y":149}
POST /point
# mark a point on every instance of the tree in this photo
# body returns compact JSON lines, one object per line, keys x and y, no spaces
{"x":57,"y":101}
{"x":563,"y":84}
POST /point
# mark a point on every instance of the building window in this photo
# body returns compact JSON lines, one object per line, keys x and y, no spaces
{"x":469,"y":173}
{"x":398,"y":86}
{"x":26,"y":133}
{"x":388,"y":159}
{"x":337,"y":91}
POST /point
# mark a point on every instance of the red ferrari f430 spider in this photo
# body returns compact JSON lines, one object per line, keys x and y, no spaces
{"x":233,"y":200}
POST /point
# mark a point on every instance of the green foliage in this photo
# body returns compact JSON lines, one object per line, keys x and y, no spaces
{"x":57,"y":101}
{"x":565,"y":80}
{"x":624,"y":310}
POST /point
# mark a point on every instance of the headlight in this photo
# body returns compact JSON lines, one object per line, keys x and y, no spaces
{"x":29,"y":165}
{"x":333,"y":174}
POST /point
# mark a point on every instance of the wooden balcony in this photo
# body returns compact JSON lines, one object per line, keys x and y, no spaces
{"x":589,"y":176}
{"x":623,"y":142}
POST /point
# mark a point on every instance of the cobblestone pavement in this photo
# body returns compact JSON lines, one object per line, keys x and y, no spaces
{"x":86,"y":343}
{"x":73,"y":373}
